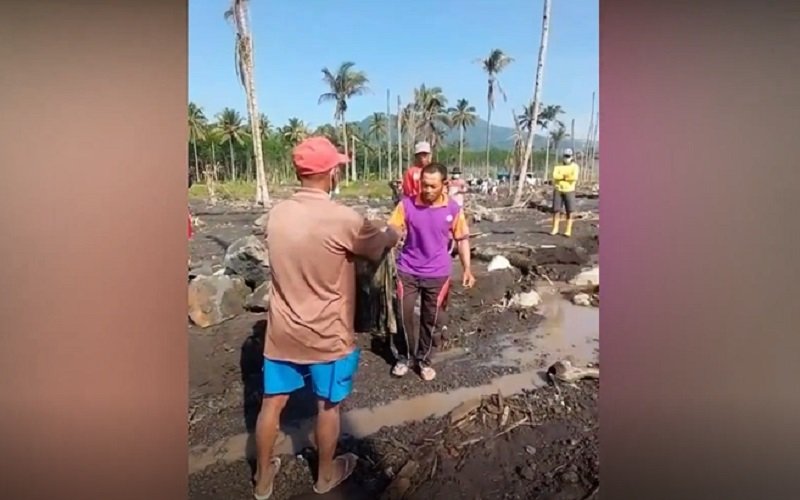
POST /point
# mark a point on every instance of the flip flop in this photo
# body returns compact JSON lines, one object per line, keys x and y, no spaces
{"x":350,"y":461}
{"x":276,"y":466}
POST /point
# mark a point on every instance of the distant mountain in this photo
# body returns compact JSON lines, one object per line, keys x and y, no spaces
{"x":475,"y":136}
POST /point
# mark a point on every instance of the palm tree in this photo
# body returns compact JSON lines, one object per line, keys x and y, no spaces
{"x":547,"y":115}
{"x":377,"y":131}
{"x":558,"y":135}
{"x":537,"y":92}
{"x":492,"y":66}
{"x":231,"y":131}
{"x":294,"y":131}
{"x":213,"y":135}
{"x":329,"y":131}
{"x":430,"y":104}
{"x":408,"y":126}
{"x":343,"y":85}
{"x":264,"y":126}
{"x":462,"y":116}
{"x":243,"y":55}
{"x":197,"y":128}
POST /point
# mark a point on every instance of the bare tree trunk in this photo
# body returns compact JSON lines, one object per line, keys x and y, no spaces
{"x":353,"y":151}
{"x":547,"y":160}
{"x":399,"y":140}
{"x":196,"y":161}
{"x":366,"y":163}
{"x":537,"y":92}
{"x":516,"y":158}
{"x":246,"y":55}
{"x":233,"y":163}
{"x":461,"y":147}
{"x":214,"y":161}
{"x":345,"y":142}
{"x":593,"y":148}
{"x":585,"y":171}
{"x":488,"y":135}
{"x":572,"y":134}
{"x":380,"y":161}
{"x":388,"y":136}
{"x":412,"y":132}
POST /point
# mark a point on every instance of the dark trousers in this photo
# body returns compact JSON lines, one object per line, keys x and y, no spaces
{"x":411,"y":344}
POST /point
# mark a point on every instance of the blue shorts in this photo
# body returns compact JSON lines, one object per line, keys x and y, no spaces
{"x":332,"y":380}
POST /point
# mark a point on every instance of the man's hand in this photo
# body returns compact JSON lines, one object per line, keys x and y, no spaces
{"x":468,"y":279}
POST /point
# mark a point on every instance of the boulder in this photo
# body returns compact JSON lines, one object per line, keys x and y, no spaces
{"x":492,"y":288}
{"x":203,"y":269}
{"x":582,"y":299}
{"x":499,"y":262}
{"x":248,"y":258}
{"x":258,"y":301}
{"x":587,"y":278}
{"x":214,"y":299}
{"x":526,"y":299}
{"x":261,"y":221}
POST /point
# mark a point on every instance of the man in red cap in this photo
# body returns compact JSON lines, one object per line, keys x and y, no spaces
{"x":310,"y":332}
{"x":411,"y":179}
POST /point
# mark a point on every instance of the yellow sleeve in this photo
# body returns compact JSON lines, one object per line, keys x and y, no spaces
{"x":398,"y":217}
{"x":573,"y":173}
{"x":460,"y":228}
{"x":557,"y":173}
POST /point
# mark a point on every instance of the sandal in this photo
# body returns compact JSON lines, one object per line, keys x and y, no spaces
{"x":350,"y":460}
{"x":400,"y":369}
{"x":427,"y":373}
{"x":276,"y":465}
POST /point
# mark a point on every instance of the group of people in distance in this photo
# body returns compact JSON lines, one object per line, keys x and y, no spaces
{"x":312,"y":241}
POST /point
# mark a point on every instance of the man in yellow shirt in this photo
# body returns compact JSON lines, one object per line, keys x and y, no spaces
{"x":565,"y":177}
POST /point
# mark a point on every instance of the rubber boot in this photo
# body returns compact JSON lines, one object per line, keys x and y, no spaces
{"x":568,"y":232}
{"x":555,"y":225}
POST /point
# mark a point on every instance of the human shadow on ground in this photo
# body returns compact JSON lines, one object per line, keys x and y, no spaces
{"x":367,"y":481}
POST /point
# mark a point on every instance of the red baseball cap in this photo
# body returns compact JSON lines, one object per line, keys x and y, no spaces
{"x":316,"y":155}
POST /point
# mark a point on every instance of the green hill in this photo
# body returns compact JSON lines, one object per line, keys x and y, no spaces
{"x":475,"y":136}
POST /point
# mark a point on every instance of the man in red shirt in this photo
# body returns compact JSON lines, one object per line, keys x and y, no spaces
{"x":411,"y":179}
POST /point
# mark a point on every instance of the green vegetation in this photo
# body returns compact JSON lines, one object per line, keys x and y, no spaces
{"x":243,"y":190}
{"x":222,"y":151}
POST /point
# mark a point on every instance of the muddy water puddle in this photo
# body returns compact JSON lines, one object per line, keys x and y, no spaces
{"x":567,"y":332}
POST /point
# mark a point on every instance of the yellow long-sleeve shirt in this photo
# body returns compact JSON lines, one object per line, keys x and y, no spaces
{"x":565,"y":177}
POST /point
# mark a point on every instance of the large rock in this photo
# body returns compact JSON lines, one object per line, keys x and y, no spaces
{"x":262,"y":221}
{"x":492,"y":288}
{"x":586,"y":278}
{"x":247,"y":257}
{"x":498,"y":262}
{"x":582,"y":299}
{"x":526,"y":299}
{"x":214,"y":299}
{"x":258,"y":301}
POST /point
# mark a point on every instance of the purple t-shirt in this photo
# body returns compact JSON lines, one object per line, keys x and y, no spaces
{"x":429,"y":230}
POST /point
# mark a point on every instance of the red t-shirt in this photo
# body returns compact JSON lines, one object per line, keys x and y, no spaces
{"x":411,"y":181}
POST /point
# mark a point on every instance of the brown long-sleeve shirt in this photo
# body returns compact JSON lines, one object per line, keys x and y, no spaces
{"x":312,"y":241}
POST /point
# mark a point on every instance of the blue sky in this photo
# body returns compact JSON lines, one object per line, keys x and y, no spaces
{"x":399,"y":44}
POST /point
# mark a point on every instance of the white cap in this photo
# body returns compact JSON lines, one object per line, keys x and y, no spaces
{"x":422,"y":147}
{"x":568,"y":152}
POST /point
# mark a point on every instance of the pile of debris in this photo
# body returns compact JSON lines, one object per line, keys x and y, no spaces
{"x":482,"y":424}
{"x":242,"y":284}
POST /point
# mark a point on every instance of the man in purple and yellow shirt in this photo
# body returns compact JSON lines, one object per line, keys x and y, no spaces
{"x":429,"y":220}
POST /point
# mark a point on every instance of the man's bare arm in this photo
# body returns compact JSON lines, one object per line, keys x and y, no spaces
{"x":372,"y":242}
